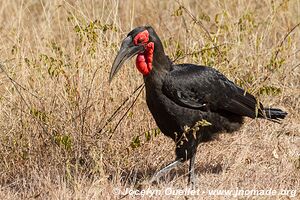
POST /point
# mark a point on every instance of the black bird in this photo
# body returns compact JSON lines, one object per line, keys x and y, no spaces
{"x":187,"y":95}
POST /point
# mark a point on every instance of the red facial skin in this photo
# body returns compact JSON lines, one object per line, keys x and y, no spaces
{"x":144,"y":60}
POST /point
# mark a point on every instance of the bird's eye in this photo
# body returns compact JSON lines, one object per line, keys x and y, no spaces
{"x":140,"y":40}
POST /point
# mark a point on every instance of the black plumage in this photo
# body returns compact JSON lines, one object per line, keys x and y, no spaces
{"x":179,"y":96}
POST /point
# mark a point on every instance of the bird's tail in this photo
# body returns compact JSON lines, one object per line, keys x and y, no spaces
{"x":274,"y":114}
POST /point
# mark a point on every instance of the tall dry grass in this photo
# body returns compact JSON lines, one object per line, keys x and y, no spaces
{"x":55,"y":97}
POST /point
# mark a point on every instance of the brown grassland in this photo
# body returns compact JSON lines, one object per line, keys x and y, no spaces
{"x":56,"y":139}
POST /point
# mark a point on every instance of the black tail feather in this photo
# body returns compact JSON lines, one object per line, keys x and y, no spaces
{"x":274,"y":113}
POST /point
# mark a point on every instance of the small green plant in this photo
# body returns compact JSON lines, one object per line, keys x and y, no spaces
{"x":178,"y":12}
{"x":192,"y":130}
{"x":269,"y":90}
{"x":89,"y":32}
{"x":64,"y":141}
{"x":136,"y":142}
{"x":39,"y":114}
{"x":148,"y":135}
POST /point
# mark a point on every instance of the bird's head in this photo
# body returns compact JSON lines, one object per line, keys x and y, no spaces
{"x":140,"y":41}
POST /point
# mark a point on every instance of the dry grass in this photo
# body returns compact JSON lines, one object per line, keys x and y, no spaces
{"x":55,"y":96}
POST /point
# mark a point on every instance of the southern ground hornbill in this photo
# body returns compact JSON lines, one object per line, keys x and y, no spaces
{"x":181,"y":96}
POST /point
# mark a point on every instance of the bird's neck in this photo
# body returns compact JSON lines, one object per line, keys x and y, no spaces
{"x":153,"y":63}
{"x":161,"y":62}
{"x":161,"y":66}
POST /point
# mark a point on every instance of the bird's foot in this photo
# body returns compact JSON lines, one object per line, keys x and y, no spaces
{"x":191,"y":181}
{"x":165,"y":170}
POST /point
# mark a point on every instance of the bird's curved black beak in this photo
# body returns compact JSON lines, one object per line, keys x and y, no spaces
{"x":127,"y":51}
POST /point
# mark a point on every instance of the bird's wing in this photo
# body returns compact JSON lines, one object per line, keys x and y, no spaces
{"x":204,"y":88}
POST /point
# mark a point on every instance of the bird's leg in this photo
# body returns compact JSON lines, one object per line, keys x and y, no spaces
{"x":165,"y":170}
{"x":191,"y":180}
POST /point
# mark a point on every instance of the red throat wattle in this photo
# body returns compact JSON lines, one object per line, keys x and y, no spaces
{"x":144,"y":60}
